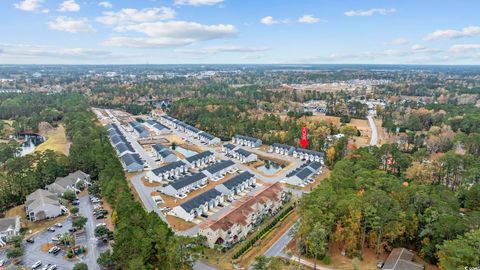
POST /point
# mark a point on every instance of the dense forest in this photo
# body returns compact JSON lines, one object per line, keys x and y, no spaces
{"x":368,"y":202}
{"x":141,"y":240}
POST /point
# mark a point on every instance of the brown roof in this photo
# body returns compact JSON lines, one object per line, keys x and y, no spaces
{"x":244,"y":207}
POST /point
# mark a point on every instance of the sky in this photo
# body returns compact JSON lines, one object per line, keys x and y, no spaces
{"x":240,"y":32}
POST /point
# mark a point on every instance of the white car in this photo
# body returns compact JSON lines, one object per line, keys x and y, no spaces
{"x":36,"y":264}
{"x":2,"y":262}
{"x":100,"y":224}
{"x":59,"y":225}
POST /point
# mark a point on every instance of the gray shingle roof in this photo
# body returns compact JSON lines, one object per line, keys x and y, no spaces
{"x":124,"y":147}
{"x":310,"y":152}
{"x":199,"y":156}
{"x":219,"y":166}
{"x":401,"y":259}
{"x":195,"y":202}
{"x":243,"y":152}
{"x":237,"y":180}
{"x":8,"y":223}
{"x":159,"y":147}
{"x":304,"y":173}
{"x":168,"y":167}
{"x":229,"y":146}
{"x":129,"y":159}
{"x":248,"y":138}
{"x":187,"y":180}
{"x":206,"y":135}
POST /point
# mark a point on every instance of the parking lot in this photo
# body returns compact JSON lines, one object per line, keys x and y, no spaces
{"x":33,"y":251}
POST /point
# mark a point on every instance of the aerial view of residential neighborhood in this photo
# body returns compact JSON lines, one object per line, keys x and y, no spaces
{"x":229,"y":135}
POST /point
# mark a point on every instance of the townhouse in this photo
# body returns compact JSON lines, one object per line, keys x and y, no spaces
{"x":75,"y":181}
{"x":199,"y":205}
{"x":124,"y":148}
{"x":201,"y":159}
{"x":185,"y":184}
{"x":236,"y":185}
{"x":163,"y":154}
{"x":168,"y":121}
{"x":308,"y":155}
{"x":168,"y":172}
{"x":159,"y":128}
{"x":217,"y":170}
{"x":42,"y":204}
{"x":132,"y":162}
{"x":247,"y":213}
{"x":244,"y":156}
{"x":246,"y":141}
{"x":192,"y":131}
{"x":304,"y":174}
{"x":9,"y":227}
{"x":139,"y":130}
{"x":208,"y":138}
{"x":228,"y":148}
{"x":281,"y":149}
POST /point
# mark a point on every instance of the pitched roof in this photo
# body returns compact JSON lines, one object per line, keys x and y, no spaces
{"x":230,"y":146}
{"x":124,"y":147}
{"x":8,"y":223}
{"x":310,"y":152}
{"x":199,"y":156}
{"x":140,"y":129}
{"x":247,"y":138}
{"x":243,"y":152}
{"x":168,"y":167}
{"x":214,"y":168}
{"x":237,"y":180}
{"x":187,"y":180}
{"x":165,"y":153}
{"x":159,"y":147}
{"x":129,"y":159}
{"x":304,"y":173}
{"x":40,"y":197}
{"x":401,"y":259}
{"x":279,"y":145}
{"x":240,"y":213}
{"x":206,"y":135}
{"x":315,"y":165}
{"x":195,"y":202}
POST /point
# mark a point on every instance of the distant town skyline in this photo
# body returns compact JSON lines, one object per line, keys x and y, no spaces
{"x":239,"y":32}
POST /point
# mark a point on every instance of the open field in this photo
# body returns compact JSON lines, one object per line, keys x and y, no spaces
{"x":56,"y":141}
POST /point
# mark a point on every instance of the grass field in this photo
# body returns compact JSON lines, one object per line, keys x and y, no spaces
{"x":56,"y":141}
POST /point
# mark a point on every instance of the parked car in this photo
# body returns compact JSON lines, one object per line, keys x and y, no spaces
{"x":72,"y":230}
{"x":75,"y":202}
{"x":55,"y":238}
{"x":100,"y":224}
{"x":56,"y":251}
{"x":59,"y":225}
{"x":30,"y":240}
{"x":36,"y":264}
{"x":53,"y":267}
{"x":46,"y":266}
{"x":52,"y":249}
{"x":2,"y":262}
{"x":100,"y":217}
{"x":51,"y":229}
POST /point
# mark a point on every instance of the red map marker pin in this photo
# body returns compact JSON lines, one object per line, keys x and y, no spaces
{"x":304,"y":139}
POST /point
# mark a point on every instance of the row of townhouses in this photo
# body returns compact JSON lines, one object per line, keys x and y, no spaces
{"x":130,"y":160}
{"x":139,"y":130}
{"x":301,"y":153}
{"x":205,"y":202}
{"x":189,"y":130}
{"x":245,"y":214}
{"x":244,"y":156}
{"x":157,"y":127}
{"x":304,"y":174}
{"x":246,"y":141}
{"x":182,"y":186}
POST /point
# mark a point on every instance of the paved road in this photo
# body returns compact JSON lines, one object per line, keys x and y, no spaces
{"x":277,"y":248}
{"x":144,"y":194}
{"x":373,"y":127}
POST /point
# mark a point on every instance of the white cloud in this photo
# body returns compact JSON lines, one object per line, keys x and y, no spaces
{"x":71,"y":25}
{"x":131,"y":15}
{"x":69,"y":6}
{"x":369,"y":12}
{"x":461,"y":48}
{"x":451,"y":34}
{"x":223,"y":49}
{"x":29,"y":5}
{"x":197,"y":2}
{"x":172,"y":33}
{"x":269,"y":20}
{"x":308,"y":18}
{"x":399,"y":41}
{"x":105,"y":4}
{"x":28,"y":50}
